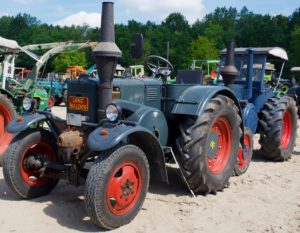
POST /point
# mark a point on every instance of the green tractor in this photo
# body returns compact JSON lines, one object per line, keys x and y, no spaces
{"x":119,"y":132}
{"x":14,"y":91}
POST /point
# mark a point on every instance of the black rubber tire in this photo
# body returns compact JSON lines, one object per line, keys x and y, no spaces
{"x":194,"y":138}
{"x":97,"y":184}
{"x":8,"y":105}
{"x":270,"y":128}
{"x":241,"y":170}
{"x":12,"y":163}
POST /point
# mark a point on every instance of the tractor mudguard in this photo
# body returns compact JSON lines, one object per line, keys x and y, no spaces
{"x":17,"y":125}
{"x":147,"y":117}
{"x":194,"y":99}
{"x":108,"y":136}
{"x":6,"y":92}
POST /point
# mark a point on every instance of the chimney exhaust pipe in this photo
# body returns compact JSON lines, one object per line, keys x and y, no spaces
{"x":106,"y":56}
{"x":229,"y":72}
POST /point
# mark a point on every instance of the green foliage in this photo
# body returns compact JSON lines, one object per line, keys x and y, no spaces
{"x":202,"y":49}
{"x":76,"y":58}
{"x":295,"y":47}
{"x":201,"y":40}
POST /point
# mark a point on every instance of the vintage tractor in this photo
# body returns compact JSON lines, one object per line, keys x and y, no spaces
{"x":118,"y":133}
{"x":273,"y":117}
{"x":294,"y":91}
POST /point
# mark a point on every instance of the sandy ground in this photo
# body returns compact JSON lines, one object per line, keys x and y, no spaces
{"x":265,"y":199}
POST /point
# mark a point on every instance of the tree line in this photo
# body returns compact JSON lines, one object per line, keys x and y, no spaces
{"x":201,"y":40}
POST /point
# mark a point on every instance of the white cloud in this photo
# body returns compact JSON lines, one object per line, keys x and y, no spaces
{"x":4,"y":14}
{"x":191,"y":9}
{"x":25,"y":2}
{"x":81,"y":18}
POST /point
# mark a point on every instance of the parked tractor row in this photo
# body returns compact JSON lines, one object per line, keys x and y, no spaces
{"x":118,"y":133}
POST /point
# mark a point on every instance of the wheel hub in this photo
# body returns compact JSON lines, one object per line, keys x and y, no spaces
{"x":286,"y":130}
{"x":127,"y":188}
{"x":212,"y":145}
{"x":218,"y":145}
{"x":33,"y":163}
{"x":123,"y":188}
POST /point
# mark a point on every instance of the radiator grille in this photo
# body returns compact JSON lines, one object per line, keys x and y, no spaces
{"x":152,"y":94}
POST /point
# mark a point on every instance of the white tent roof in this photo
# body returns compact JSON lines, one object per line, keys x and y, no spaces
{"x":11,"y":44}
{"x":273,"y":52}
{"x":15,"y":47}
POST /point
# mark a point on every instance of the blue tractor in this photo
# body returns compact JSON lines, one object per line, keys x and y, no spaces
{"x":274,"y":118}
{"x":119,"y":132}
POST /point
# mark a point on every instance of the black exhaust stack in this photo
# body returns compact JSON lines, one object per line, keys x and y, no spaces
{"x":229,"y":72}
{"x":106,"y":55}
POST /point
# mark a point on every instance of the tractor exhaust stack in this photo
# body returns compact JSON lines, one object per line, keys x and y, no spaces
{"x":106,"y":56}
{"x":229,"y":72}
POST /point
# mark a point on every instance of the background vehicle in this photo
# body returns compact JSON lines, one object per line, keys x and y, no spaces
{"x":125,"y":128}
{"x":294,"y":91}
{"x":15,"y":93}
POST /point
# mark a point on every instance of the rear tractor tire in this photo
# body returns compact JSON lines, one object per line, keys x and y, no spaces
{"x":24,"y":160}
{"x":7,"y":113}
{"x":243,"y":160}
{"x":116,"y":186}
{"x":209,"y":145}
{"x":278,"y":128}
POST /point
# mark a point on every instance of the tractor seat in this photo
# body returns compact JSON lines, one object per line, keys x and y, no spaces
{"x":189,"y":77}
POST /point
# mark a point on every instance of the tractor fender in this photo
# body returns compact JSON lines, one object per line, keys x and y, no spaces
{"x":21,"y":123}
{"x":147,"y":117}
{"x":137,"y":135}
{"x":6,"y":92}
{"x":194,"y":100}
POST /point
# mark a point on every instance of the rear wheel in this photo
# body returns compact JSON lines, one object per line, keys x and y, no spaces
{"x":24,"y":161}
{"x":7,"y":113}
{"x":243,"y":160}
{"x":208,"y":145}
{"x":116,"y":186}
{"x":278,"y":128}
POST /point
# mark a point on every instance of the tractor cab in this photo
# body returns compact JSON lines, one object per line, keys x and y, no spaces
{"x":256,"y":72}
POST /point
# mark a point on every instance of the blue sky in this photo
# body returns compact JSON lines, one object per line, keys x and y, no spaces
{"x":66,"y":12}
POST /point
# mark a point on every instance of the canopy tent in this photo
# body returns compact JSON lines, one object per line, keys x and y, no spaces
{"x":271,"y":52}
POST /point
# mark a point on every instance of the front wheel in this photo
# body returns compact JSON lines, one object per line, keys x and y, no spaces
{"x":24,"y":161}
{"x":116,"y":186}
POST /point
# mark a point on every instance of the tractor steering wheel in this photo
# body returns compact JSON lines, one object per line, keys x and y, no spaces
{"x":159,"y":66}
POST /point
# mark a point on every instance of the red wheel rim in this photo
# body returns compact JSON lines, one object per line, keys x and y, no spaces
{"x":286,"y":130}
{"x":124,"y":188}
{"x":217,"y":163}
{"x":51,"y":101}
{"x":243,"y":160}
{"x":5,"y":137}
{"x":41,"y":149}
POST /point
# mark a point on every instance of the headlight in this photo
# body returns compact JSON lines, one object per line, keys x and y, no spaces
{"x":27,"y":104}
{"x":113,"y":112}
